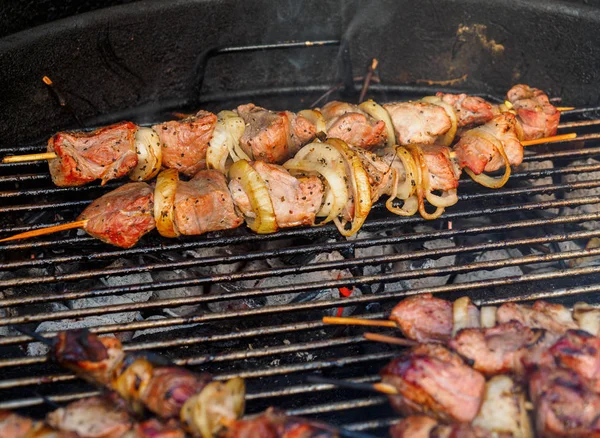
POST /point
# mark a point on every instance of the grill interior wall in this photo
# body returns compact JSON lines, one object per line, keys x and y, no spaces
{"x":537,"y":227}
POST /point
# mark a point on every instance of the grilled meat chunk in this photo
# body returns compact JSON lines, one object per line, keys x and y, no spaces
{"x":538,"y":117}
{"x":123,"y":216}
{"x":155,"y":429}
{"x":424,"y":318}
{"x":273,"y":137}
{"x":418,"y":122}
{"x":184,"y":142}
{"x":443,"y":173}
{"x":495,"y":350}
{"x":552,"y":317}
{"x":95,"y":417}
{"x":90,"y":357}
{"x":479,"y":154}
{"x":470,"y":110}
{"x":275,"y":424}
{"x":579,"y":351}
{"x":296,"y":201}
{"x":15,"y":426}
{"x":432,"y":380}
{"x":564,"y":405}
{"x":352,"y":125}
{"x":426,"y":427}
{"x":82,"y":157}
{"x":380,"y":171}
{"x":204,"y":204}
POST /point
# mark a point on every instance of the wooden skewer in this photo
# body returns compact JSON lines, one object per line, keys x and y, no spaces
{"x":382,"y":388}
{"x":552,"y":139}
{"x":390,"y":340}
{"x":564,"y":108}
{"x":358,"y":321}
{"x":29,"y":157}
{"x":47,"y":230}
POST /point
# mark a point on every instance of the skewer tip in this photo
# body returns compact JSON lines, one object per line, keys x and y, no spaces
{"x":47,"y":81}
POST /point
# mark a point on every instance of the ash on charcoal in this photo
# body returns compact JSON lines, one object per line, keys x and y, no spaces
{"x":220,"y":268}
{"x":536,"y":182}
{"x":287,"y":280}
{"x":578,"y":177}
{"x":581,"y":261}
{"x":482,"y":275}
{"x":423,"y":263}
{"x":178,"y":292}
{"x":374,"y":251}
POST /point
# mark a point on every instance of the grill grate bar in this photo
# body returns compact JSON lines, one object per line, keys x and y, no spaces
{"x":339,"y":406}
{"x":345,"y":282}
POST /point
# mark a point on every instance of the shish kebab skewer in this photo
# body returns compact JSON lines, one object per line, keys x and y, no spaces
{"x":209,"y":141}
{"x":202,"y":406}
{"x":410,"y":174}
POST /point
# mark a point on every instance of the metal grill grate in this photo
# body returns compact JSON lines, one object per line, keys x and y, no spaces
{"x":532,"y":239}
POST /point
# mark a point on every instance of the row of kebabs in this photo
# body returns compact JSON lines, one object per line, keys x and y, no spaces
{"x":213,"y":141}
{"x":544,"y":352}
{"x":324,"y":181}
{"x":439,"y":383}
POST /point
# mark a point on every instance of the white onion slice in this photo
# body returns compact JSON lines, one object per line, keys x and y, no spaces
{"x":258,"y":194}
{"x":587,"y":317}
{"x":488,"y":316}
{"x":164,"y":198}
{"x":503,"y":410}
{"x":316,"y":118}
{"x":322,"y":159}
{"x":379,"y":113}
{"x":422,"y":181}
{"x":217,"y":406}
{"x":149,"y":153}
{"x":404,"y":190}
{"x":217,"y":152}
{"x":464,"y":315}
{"x":358,"y":180}
{"x":483,"y":179}
{"x":448,"y":137}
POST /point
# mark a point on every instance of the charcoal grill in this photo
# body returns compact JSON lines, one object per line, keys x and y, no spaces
{"x":546,"y":214}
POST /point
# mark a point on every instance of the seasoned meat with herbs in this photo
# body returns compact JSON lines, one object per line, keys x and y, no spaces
{"x":184,"y":142}
{"x":432,"y":380}
{"x":538,"y":117}
{"x":351,"y":124}
{"x":477,"y":151}
{"x":424,"y":318}
{"x":121,"y":217}
{"x":552,"y":317}
{"x":470,"y":110}
{"x":204,"y":204}
{"x":82,"y":157}
{"x":273,"y":137}
{"x":418,"y":122}
{"x":443,"y":172}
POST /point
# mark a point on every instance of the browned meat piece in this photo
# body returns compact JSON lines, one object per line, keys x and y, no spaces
{"x":155,"y":429}
{"x":415,"y":426}
{"x":184,"y":142}
{"x":352,"y":125}
{"x":432,"y":380}
{"x":564,"y":405}
{"x":495,"y":350}
{"x":470,"y":110}
{"x":418,"y":122}
{"x":14,"y":426}
{"x":273,"y":137}
{"x":424,"y":318}
{"x":105,"y":154}
{"x":95,"y":417}
{"x":204,"y":204}
{"x":427,"y":427}
{"x":538,"y":117}
{"x":379,"y":171}
{"x":170,"y":388}
{"x":541,"y":315}
{"x":90,"y":357}
{"x":580,"y":352}
{"x":478,"y":154}
{"x":123,"y":216}
{"x":275,"y":424}
{"x":443,"y":174}
{"x":296,"y":201}
{"x":302,"y":131}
